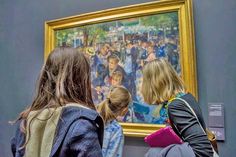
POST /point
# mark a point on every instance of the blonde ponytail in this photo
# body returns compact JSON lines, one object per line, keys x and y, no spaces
{"x":117,"y":100}
{"x":105,"y":111}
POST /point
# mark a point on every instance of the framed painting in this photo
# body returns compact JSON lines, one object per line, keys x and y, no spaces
{"x":120,"y":41}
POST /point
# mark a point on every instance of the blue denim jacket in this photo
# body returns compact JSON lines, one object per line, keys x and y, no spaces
{"x":113,"y":141}
{"x":79,"y":133}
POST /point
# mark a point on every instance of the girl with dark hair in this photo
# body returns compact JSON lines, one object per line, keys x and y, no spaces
{"x":61,"y":121}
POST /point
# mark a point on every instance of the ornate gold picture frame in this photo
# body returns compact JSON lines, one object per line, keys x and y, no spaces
{"x":134,"y":34}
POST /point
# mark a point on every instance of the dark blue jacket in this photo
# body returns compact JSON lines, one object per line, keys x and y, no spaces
{"x":79,"y":133}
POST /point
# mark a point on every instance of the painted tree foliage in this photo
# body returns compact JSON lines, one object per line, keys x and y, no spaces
{"x":91,"y":34}
{"x":166,"y":23}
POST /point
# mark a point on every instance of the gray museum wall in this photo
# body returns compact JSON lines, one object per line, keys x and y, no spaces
{"x":22,"y":47}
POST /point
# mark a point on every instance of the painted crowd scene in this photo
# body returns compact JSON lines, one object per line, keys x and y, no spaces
{"x":118,"y":50}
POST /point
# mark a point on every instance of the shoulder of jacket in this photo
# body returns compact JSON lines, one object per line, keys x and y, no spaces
{"x":75,"y":112}
{"x":176,"y":103}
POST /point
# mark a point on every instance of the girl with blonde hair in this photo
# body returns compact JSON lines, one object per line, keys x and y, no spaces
{"x":61,"y":121}
{"x":161,"y":84}
{"x":115,"y":105}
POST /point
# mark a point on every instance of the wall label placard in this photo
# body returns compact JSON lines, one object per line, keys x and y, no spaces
{"x":216,"y":122}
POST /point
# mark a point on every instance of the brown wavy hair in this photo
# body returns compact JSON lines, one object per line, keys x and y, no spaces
{"x":64,"y":78}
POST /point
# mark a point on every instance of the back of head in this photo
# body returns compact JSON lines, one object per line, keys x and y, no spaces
{"x":117,"y":101}
{"x":64,"y":78}
{"x":160,"y":82}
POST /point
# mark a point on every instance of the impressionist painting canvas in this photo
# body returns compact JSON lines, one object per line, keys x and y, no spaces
{"x":118,"y":50}
{"x":120,"y":41}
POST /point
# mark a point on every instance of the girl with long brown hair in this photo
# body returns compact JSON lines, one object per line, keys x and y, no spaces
{"x":61,"y":121}
{"x":115,"y":105}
